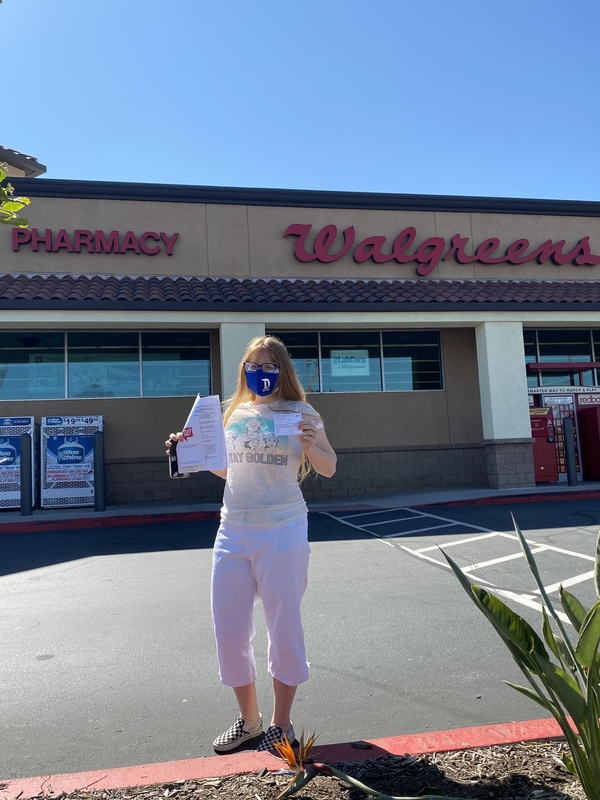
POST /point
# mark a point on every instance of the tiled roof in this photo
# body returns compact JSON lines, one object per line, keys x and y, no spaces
{"x":283,"y":294}
{"x":28,"y":164}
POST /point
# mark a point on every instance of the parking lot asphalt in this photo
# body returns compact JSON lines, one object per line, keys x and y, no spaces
{"x":13,"y":520}
{"x":362,"y":511}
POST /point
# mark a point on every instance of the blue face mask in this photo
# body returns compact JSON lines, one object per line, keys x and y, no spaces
{"x":262,"y":383}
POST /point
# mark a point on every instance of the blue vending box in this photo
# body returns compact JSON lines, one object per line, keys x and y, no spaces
{"x":11,"y":430}
{"x":67,"y":463}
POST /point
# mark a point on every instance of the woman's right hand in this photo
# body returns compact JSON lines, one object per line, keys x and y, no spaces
{"x":173,"y":439}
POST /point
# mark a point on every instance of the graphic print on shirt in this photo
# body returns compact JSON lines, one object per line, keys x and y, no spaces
{"x":253,"y":439}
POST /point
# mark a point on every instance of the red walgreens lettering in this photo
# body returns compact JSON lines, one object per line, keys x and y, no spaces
{"x":148,"y":243}
{"x":434,"y":249}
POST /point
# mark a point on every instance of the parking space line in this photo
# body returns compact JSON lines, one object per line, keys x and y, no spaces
{"x":410,"y":512}
{"x":568,"y":552}
{"x":526,"y":599}
{"x":418,"y":554}
{"x":458,"y":541}
{"x":389,"y":521}
{"x":554,"y":587}
{"x":418,"y":530}
{"x":350,"y":524}
{"x":500,"y":560}
{"x":464,"y":524}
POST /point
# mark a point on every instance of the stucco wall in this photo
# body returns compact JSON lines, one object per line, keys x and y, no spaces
{"x":245,"y":240}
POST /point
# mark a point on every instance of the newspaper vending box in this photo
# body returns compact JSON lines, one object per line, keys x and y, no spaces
{"x":11,"y":430}
{"x":67,"y":468}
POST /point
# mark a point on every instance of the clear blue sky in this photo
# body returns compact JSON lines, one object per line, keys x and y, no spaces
{"x":472,"y":97}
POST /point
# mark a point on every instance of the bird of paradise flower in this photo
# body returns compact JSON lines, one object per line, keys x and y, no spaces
{"x":306,"y":769}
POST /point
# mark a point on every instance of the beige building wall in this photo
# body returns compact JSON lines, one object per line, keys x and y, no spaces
{"x":248,"y":241}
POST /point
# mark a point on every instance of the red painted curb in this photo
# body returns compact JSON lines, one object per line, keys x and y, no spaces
{"x":41,"y":525}
{"x":522,"y":498}
{"x":238,"y":763}
{"x":37,"y":526}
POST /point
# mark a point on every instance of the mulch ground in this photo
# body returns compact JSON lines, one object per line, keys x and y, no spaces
{"x":525,"y":771}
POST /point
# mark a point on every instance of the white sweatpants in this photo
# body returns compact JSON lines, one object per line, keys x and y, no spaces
{"x":270,"y":563}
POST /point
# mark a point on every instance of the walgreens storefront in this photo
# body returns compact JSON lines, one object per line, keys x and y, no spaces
{"x":424,"y":328}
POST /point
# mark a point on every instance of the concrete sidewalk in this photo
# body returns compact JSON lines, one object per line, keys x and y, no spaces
{"x":12,"y":521}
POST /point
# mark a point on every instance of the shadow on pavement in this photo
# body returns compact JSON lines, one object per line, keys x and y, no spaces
{"x":26,"y":551}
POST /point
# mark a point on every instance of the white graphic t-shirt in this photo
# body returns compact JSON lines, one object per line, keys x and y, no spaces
{"x":262,"y":478}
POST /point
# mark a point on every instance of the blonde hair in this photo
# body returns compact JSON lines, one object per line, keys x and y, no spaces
{"x":288,"y":386}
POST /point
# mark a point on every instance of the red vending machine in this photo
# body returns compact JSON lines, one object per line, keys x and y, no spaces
{"x":589,"y":435}
{"x":545,"y":460}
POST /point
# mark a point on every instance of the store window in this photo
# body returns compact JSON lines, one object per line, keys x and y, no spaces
{"x":57,"y":365}
{"x":411,"y":361}
{"x":175,"y":364}
{"x":351,"y":361}
{"x":32,"y":366}
{"x":531,"y":356}
{"x":366,"y":361}
{"x":103,"y":364}
{"x":572,"y":348}
{"x":304,"y":351}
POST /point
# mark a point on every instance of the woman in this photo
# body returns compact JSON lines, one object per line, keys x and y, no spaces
{"x":261,"y":549}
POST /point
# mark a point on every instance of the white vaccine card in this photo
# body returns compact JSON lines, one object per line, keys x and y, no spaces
{"x":287,"y":424}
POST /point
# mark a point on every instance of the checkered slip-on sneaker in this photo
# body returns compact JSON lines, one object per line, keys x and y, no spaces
{"x":275,"y":735}
{"x":237,"y":735}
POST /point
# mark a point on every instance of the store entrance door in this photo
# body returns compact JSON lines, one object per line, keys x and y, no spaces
{"x":588,"y":415}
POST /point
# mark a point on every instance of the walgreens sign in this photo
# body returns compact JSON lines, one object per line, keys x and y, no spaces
{"x":149,"y":243}
{"x":432,"y":251}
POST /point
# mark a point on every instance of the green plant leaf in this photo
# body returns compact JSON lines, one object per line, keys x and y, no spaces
{"x":16,"y":222}
{"x":566,"y":655}
{"x":22,"y":201}
{"x":529,"y":557}
{"x":567,"y":690}
{"x":529,"y":639}
{"x":574,"y":610}
{"x":520,"y":632}
{"x":12,"y":205}
{"x":597,"y":567}
{"x":535,"y":696}
{"x":298,"y":782}
{"x":2,"y":173}
{"x":589,"y":637}
{"x":464,"y":581}
{"x":568,"y":762}
{"x":549,"y":636}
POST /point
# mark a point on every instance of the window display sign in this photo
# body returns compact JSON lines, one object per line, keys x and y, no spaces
{"x":11,"y":430}
{"x":349,"y":362}
{"x":68,"y":461}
